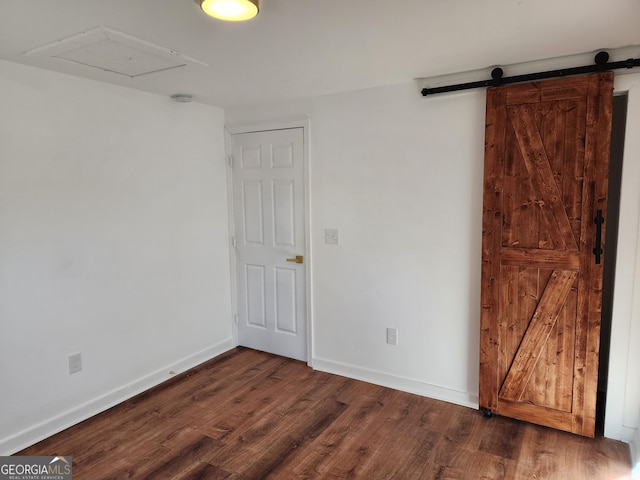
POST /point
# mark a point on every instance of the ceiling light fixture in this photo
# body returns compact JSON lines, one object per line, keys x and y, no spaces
{"x":230,"y":10}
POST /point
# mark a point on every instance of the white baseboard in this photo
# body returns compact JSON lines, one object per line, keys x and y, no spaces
{"x":79,"y":413}
{"x":436,"y":392}
{"x":635,"y":455}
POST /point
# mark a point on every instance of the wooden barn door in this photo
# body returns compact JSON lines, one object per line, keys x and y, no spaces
{"x":545,"y":180}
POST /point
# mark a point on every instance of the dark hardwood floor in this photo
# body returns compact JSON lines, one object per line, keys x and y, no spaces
{"x":251,"y":415}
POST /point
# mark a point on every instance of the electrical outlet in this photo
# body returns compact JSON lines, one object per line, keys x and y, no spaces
{"x":331,"y":236}
{"x":392,"y":336}
{"x":75,"y":363}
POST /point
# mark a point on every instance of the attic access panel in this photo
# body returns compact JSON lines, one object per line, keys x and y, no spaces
{"x":115,"y":52}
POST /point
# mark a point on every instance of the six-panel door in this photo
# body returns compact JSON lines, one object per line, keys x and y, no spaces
{"x":268,"y":196}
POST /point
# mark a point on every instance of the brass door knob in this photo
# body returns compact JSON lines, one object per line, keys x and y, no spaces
{"x":297,"y":259}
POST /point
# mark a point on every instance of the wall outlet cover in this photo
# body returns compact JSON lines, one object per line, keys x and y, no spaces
{"x":75,"y":363}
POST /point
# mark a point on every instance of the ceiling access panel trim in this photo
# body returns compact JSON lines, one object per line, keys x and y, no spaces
{"x":112,"y":51}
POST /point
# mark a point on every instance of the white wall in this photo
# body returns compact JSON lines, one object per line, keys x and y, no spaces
{"x":113,"y":243}
{"x":401,"y":177}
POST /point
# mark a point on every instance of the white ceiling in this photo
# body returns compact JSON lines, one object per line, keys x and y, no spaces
{"x":300,"y":48}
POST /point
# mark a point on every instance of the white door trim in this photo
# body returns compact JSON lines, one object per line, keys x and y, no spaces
{"x":230,"y":130}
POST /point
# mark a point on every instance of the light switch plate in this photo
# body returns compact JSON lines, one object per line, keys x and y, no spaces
{"x":331,"y":236}
{"x":392,"y":336}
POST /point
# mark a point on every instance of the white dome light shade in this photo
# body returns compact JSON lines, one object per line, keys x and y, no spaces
{"x":230,"y":10}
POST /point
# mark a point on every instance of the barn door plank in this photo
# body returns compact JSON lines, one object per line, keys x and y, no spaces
{"x":491,"y":240}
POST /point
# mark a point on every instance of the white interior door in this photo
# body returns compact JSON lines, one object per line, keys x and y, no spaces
{"x":268,"y":198}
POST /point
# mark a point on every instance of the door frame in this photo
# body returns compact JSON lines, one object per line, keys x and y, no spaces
{"x":623,"y":389}
{"x":230,"y":130}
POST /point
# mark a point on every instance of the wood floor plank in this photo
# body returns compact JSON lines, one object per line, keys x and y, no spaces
{"x":183,"y":462}
{"x":283,"y":416}
{"x":249,"y":415}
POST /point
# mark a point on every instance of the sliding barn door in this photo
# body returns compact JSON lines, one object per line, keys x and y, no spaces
{"x":545,"y":183}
